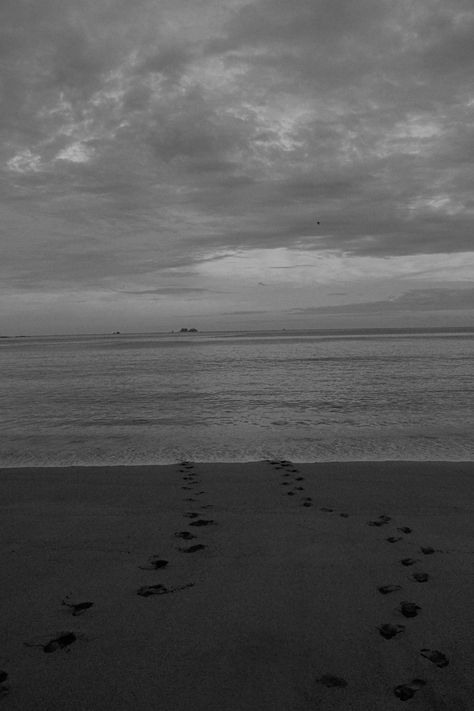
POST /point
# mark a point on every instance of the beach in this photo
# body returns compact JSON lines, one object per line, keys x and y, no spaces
{"x":238,"y":587}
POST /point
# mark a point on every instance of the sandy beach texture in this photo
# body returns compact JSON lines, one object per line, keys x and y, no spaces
{"x":218,"y":587}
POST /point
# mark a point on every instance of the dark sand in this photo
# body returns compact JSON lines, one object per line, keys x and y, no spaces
{"x":232,"y":594}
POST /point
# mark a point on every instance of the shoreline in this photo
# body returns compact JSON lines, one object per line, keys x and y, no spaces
{"x":277,"y":601}
{"x":232,"y":463}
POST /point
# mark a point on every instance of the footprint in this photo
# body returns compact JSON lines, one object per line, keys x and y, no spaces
{"x":388,"y":631}
{"x":427,"y":550}
{"x":299,"y":488}
{"x":191,"y":514}
{"x":184,"y":534}
{"x":344,"y":515}
{"x":299,"y":478}
{"x":193,"y":549}
{"x":407,"y":691}
{"x":421,"y":577}
{"x":202,"y":522}
{"x":285,"y":483}
{"x":4,"y":686}
{"x":332,"y":681}
{"x":436,"y":657}
{"x":290,"y":493}
{"x":408,"y":561}
{"x":393,"y":539}
{"x":190,"y":498}
{"x":385,"y":589}
{"x":307,"y":503}
{"x":381,"y":521}
{"x":159,"y":589}
{"x":154,"y":563}
{"x":404,"y":529}
{"x":63,"y":640}
{"x":324,"y":508}
{"x":186,"y":488}
{"x":409,"y":609}
{"x":78,"y":608}
{"x":207,"y":506}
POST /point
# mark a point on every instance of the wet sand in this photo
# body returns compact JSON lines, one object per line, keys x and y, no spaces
{"x":212,"y":587}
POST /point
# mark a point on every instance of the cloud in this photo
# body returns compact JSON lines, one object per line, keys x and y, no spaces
{"x":414,"y":300}
{"x":249,"y":312}
{"x":141,"y":137}
{"x":172,"y":291}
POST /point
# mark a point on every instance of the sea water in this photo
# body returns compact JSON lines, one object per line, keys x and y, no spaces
{"x":305,"y":396}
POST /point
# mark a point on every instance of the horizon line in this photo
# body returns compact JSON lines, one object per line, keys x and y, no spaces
{"x":387,"y":329}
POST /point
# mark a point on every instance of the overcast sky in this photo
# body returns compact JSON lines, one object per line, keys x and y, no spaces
{"x":232,"y":164}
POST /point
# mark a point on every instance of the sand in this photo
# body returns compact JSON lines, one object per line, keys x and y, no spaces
{"x":278,"y":607}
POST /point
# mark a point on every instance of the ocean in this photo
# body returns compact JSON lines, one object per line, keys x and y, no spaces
{"x":237,"y":396}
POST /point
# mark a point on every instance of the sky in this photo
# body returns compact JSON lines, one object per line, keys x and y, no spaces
{"x":225,"y":164}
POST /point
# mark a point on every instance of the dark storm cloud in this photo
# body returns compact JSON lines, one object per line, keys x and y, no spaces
{"x":145,"y":136}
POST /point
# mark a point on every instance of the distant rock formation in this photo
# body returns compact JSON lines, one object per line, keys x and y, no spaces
{"x":188,"y":330}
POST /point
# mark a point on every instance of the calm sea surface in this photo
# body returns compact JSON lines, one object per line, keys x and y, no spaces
{"x":156,"y":398}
